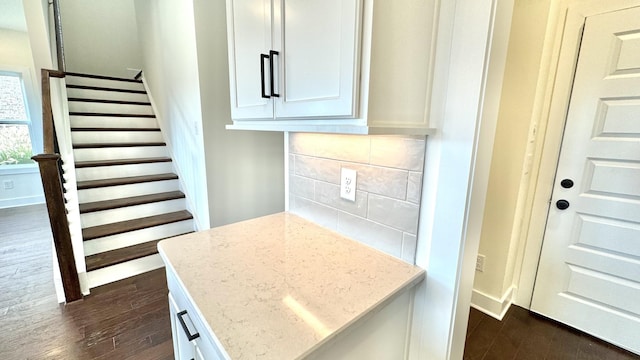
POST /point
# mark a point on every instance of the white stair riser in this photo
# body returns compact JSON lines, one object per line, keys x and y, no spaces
{"x":116,"y":122}
{"x":124,"y":270}
{"x":131,"y":238}
{"x":119,"y":153}
{"x":121,"y":191}
{"x":116,"y":171}
{"x":112,"y":84}
{"x":93,"y":107}
{"x":106,"y":95}
{"x":131,"y":212}
{"x":96,"y":137}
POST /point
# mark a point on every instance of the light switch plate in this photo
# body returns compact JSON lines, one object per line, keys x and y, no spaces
{"x":348,"y":184}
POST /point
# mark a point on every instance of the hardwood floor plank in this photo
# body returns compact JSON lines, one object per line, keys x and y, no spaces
{"x":34,"y":326}
{"x":534,"y":337}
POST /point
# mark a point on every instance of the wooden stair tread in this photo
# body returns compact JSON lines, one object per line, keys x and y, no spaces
{"x":90,"y":184}
{"x":77,"y":113}
{"x":129,"y":201}
{"x":96,"y":163}
{"x":115,"y":129}
{"x":95,"y":232}
{"x":101,"y":88}
{"x":117,"y":256}
{"x":107,"y":101}
{"x":102,"y":77}
{"x":127,"y":144}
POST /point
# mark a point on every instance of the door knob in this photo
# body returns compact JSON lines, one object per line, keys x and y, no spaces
{"x":566,"y":183}
{"x":562,"y":204}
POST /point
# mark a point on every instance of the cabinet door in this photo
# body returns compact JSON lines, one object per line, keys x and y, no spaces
{"x":249,"y":36}
{"x":183,"y":349}
{"x":318,"y":41}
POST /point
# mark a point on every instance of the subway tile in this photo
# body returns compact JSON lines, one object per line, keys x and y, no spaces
{"x":339,"y":147}
{"x":378,"y":236}
{"x":379,"y":180}
{"x":301,"y":186}
{"x":414,"y":188}
{"x":312,"y":211}
{"x":329,"y":194}
{"x":398,"y":152}
{"x":318,"y":168}
{"x":397,"y":214}
{"x":409,"y":248}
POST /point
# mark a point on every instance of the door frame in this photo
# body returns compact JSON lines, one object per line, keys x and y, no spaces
{"x":560,"y":54}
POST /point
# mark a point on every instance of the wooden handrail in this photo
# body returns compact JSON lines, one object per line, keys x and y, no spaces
{"x":51,"y":175}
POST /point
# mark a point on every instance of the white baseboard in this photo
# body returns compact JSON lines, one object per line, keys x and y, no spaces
{"x":492,"y":306}
{"x":21,"y":201}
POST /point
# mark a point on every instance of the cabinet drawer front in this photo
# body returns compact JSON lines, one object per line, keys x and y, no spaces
{"x":205,"y":343}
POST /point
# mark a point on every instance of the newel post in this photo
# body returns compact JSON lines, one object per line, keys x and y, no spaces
{"x":54,"y":196}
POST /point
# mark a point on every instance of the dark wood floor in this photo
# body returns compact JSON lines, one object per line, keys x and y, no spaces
{"x":522,"y":335}
{"x":124,"y":320}
{"x":130,"y":319}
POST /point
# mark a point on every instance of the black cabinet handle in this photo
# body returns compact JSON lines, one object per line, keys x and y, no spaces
{"x":190,"y":336}
{"x":271,"y":55}
{"x":262,"y":85}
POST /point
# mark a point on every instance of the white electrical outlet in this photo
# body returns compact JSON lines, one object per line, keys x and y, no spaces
{"x":348,"y":184}
{"x":480,"y":263}
{"x":8,"y":184}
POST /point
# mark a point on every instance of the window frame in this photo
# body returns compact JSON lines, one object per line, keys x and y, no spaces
{"x":30,"y":101}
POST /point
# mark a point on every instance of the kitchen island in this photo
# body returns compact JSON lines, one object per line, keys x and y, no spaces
{"x":281,"y":287}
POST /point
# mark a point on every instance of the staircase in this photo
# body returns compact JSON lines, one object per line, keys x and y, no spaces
{"x":128,"y":192}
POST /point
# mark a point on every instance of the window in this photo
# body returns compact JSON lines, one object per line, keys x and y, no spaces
{"x":15,"y":140}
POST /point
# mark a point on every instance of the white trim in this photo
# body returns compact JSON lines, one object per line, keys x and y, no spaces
{"x":471,"y":53}
{"x":286,"y":171}
{"x":562,"y":41}
{"x":6,"y":170}
{"x":22,"y":201}
{"x":493,"y":306}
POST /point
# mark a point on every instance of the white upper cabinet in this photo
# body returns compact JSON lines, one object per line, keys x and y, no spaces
{"x":341,"y":66}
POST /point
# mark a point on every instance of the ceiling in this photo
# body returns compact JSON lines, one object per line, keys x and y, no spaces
{"x":12,"y":15}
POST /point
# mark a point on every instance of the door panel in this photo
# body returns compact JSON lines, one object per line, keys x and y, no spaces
{"x":589,"y":271}
{"x":251,"y":31}
{"x":317,"y":42}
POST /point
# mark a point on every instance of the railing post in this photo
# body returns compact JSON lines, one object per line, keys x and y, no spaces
{"x":54,"y":197}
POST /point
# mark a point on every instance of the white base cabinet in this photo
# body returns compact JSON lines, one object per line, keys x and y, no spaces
{"x":191,"y":338}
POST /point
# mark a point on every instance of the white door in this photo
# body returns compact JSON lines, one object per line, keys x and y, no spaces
{"x":318,"y":45}
{"x":589,"y":270}
{"x":249,"y":33}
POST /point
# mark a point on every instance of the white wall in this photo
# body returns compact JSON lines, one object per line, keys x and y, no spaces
{"x":228,"y":175}
{"x":494,"y":288}
{"x":245,"y":169}
{"x":15,"y":55}
{"x":167,"y":30}
{"x":100,"y":37}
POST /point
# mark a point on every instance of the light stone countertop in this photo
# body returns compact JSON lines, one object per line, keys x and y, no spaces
{"x":279,"y":286}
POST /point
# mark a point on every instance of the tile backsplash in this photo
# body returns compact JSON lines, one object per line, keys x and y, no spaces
{"x":389,"y":181}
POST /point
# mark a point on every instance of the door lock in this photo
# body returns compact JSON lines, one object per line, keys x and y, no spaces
{"x":562,"y":204}
{"x":566,"y":183}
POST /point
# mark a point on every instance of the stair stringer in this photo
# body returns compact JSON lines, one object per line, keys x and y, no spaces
{"x":201,"y":221}
{"x":62,"y":122}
